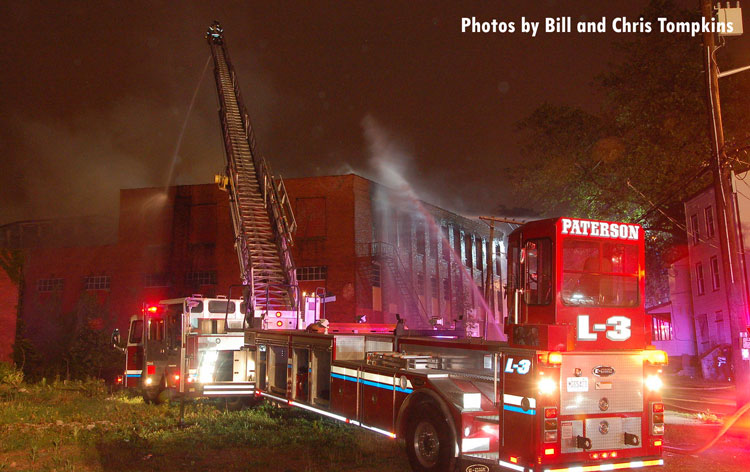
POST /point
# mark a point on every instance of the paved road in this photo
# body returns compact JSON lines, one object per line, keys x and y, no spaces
{"x":682,"y":396}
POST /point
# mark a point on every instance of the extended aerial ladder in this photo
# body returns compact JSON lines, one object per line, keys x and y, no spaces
{"x":261,"y":212}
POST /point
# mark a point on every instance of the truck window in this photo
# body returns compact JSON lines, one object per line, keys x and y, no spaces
{"x":514,"y":269}
{"x":197,"y":308}
{"x":136,"y":332}
{"x":220,"y":306}
{"x":600,"y":273}
{"x":174,"y":327}
{"x":538,"y":272}
{"x":156,"y":330}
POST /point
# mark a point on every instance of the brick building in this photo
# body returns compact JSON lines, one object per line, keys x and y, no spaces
{"x":8,"y":304}
{"x":379,"y":252}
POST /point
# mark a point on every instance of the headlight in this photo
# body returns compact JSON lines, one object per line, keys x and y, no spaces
{"x":653,"y":382}
{"x":149,"y":380}
{"x":547,"y":385}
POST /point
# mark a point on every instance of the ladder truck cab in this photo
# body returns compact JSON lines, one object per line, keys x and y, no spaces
{"x":575,"y":388}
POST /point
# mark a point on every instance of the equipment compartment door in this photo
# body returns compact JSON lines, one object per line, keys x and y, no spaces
{"x":376,"y":397}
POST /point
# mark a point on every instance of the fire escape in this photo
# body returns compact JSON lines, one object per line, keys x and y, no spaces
{"x":386,"y":255}
{"x":261,"y":212}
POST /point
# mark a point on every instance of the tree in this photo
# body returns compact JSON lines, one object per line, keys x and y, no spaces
{"x":643,"y":152}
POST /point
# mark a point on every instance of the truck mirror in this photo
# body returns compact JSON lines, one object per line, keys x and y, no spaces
{"x":116,"y":338}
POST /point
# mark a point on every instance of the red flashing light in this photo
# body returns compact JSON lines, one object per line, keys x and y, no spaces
{"x":549,"y":452}
{"x":514,"y":459}
{"x":150,"y":369}
{"x":550,"y":412}
{"x":657,"y":442}
{"x":605,"y":455}
{"x":278,"y":314}
{"x":279,"y":323}
{"x":119,"y":379}
{"x":176,"y":377}
{"x":658,"y":407}
{"x":152,"y":309}
{"x":553,"y":358}
{"x":595,"y":455}
{"x":614,"y":454}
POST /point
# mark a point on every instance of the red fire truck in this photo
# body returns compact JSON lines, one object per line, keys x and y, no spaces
{"x":575,"y":388}
{"x":193,"y":345}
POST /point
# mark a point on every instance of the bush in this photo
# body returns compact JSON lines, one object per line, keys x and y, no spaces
{"x":10,"y":375}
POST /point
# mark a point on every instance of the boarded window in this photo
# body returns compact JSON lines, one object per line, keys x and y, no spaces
{"x":420,"y":237}
{"x":203,"y":223}
{"x":311,"y":217}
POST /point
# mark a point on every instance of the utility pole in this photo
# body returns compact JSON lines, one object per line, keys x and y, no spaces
{"x":726,"y":215}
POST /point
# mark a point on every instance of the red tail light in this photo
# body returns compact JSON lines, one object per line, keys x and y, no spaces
{"x":550,"y":412}
{"x":549,"y":452}
{"x":150,"y":369}
{"x":279,"y":323}
{"x":658,"y":407}
{"x":278,"y":314}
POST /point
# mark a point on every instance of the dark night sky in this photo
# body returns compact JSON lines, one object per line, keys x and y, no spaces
{"x":95,"y":94}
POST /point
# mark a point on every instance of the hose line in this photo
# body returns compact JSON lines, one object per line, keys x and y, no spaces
{"x":728,"y":423}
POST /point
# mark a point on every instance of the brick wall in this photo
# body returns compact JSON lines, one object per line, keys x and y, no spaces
{"x":8,"y":306}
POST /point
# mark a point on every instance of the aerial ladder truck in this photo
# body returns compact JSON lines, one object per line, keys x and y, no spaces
{"x":576,"y":388}
{"x":195,"y":345}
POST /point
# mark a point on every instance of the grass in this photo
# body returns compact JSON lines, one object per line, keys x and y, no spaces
{"x":77,"y":426}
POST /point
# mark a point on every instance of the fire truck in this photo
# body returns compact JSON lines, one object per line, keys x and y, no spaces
{"x":191,"y":344}
{"x":575,"y":388}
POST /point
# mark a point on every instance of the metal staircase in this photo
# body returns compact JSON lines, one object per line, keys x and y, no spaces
{"x":416,"y":316}
{"x":261,"y":212}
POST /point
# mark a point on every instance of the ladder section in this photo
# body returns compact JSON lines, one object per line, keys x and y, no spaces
{"x":261,"y":212}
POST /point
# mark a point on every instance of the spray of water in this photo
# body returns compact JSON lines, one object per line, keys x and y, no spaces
{"x":178,"y":145}
{"x":391,"y":163}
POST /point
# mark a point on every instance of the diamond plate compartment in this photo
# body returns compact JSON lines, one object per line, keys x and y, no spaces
{"x":569,"y":430}
{"x":614,"y":438}
{"x":623,"y":390}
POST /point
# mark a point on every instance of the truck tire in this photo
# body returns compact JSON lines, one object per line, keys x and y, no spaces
{"x":429,"y":441}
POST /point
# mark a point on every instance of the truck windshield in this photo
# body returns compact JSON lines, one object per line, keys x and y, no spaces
{"x":600,"y":273}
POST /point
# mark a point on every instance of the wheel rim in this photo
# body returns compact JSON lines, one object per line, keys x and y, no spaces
{"x":426,"y":444}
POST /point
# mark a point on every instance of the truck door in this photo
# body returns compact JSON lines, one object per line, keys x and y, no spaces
{"x":134,"y":354}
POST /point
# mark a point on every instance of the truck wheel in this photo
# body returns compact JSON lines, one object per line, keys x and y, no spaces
{"x":429,"y":442}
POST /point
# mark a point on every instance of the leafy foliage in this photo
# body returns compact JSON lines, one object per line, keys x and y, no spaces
{"x":644,"y":152}
{"x":71,"y":345}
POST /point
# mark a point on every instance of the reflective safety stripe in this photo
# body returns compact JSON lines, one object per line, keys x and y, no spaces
{"x":387,"y":386}
{"x":227,"y":393}
{"x":511,"y":466}
{"x":513,"y":403}
{"x":620,"y":465}
{"x":330,"y":415}
{"x":516,"y":400}
{"x":518,"y":409}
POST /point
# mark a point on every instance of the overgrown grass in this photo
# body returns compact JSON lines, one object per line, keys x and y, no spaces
{"x":78,"y":426}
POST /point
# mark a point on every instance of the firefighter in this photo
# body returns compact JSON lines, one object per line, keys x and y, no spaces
{"x":320,"y":326}
{"x":400,"y":328}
